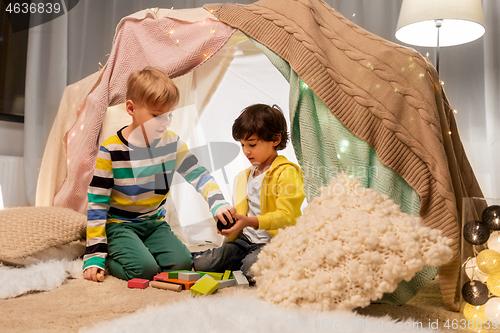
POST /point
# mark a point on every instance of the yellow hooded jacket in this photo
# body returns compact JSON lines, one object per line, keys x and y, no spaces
{"x":281,"y":196}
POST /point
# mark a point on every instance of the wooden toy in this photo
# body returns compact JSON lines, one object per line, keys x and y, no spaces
{"x":227,"y":283}
{"x":191,"y":276}
{"x":175,"y":274}
{"x":204,"y":286}
{"x":215,"y":275}
{"x":166,"y":285}
{"x":185,"y":284}
{"x":226,"y":275}
{"x":138,"y":283}
{"x":161,"y":276}
{"x":241,"y":280}
{"x":100,"y":277}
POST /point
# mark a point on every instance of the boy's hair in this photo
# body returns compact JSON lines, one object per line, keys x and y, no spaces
{"x":152,"y":88}
{"x":267,"y":122}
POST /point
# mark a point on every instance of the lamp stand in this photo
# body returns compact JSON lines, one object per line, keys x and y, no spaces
{"x":439,"y":23}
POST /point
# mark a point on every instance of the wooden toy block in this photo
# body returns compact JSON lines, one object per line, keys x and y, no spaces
{"x":172,"y":281}
{"x":166,"y":285}
{"x":175,"y":274}
{"x":241,"y":280}
{"x":226,"y":275}
{"x":215,"y":275}
{"x":138,"y":283}
{"x":100,"y":277}
{"x":191,"y":276}
{"x":204,"y":286}
{"x":185,"y":284}
{"x":161,"y":276}
{"x":227,"y":283}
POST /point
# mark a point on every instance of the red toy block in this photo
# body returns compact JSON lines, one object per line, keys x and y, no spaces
{"x":161,"y":276}
{"x":138,"y":283}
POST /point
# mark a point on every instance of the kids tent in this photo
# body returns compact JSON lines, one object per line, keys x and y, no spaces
{"x":357,"y":103}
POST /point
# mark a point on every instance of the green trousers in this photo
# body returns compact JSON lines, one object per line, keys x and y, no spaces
{"x":141,"y":250}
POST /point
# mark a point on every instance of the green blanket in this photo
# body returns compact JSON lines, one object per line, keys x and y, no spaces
{"x":324,"y":148}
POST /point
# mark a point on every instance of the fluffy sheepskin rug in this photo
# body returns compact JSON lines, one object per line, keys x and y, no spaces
{"x":44,"y":276}
{"x":236,"y":313}
{"x":350,"y":247}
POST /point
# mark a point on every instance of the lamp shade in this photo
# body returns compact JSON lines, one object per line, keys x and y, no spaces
{"x":462,"y":22}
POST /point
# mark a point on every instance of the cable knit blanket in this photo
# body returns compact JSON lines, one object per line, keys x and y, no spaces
{"x":386,"y":94}
{"x":350,"y":247}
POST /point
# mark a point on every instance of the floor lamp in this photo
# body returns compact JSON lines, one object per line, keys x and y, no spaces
{"x":440,"y":23}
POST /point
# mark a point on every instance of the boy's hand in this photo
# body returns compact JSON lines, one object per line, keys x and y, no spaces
{"x":91,"y":273}
{"x":242,"y":221}
{"x":227,"y":210}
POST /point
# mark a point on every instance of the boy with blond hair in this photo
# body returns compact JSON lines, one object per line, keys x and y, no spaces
{"x":268,"y":195}
{"x":132,"y":178}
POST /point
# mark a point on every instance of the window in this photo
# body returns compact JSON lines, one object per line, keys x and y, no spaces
{"x":13,"y":53}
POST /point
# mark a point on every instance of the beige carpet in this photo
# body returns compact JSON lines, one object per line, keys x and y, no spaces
{"x":79,"y":303}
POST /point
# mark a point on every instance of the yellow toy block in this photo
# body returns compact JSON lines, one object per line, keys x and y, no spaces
{"x":226,"y":275}
{"x":205,"y":286}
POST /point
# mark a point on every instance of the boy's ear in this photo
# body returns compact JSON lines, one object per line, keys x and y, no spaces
{"x":129,"y":106}
{"x":277,"y":140}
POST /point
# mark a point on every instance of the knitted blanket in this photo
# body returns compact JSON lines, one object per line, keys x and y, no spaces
{"x":386,"y":94}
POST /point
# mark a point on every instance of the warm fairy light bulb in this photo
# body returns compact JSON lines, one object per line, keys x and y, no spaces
{"x":473,"y":312}
{"x":488,"y":261}
{"x":213,"y":30}
{"x":493,"y":283}
{"x":473,"y":272}
{"x":449,"y":132}
{"x":492,"y":309}
{"x":177,"y":42}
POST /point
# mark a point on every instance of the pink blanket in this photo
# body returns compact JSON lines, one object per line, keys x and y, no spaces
{"x":173,"y":46}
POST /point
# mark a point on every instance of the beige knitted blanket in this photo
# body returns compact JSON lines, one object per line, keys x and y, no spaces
{"x":25,"y":231}
{"x":386,"y":94}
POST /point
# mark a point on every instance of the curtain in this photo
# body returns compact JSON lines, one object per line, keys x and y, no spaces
{"x":70,"y":48}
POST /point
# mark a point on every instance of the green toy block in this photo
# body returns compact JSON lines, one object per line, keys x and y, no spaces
{"x":215,"y":275}
{"x":226,"y":275}
{"x":205,"y":286}
{"x":175,"y":274}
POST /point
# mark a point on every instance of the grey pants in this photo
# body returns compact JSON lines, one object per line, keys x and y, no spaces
{"x":239,"y":254}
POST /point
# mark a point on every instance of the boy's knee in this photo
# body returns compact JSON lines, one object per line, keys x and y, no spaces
{"x":182,"y":262}
{"x":146,"y":270}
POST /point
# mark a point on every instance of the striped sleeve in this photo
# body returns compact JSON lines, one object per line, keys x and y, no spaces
{"x":187,"y":166}
{"x":99,"y":194}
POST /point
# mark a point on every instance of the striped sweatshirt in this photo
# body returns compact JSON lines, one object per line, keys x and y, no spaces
{"x":131,"y":184}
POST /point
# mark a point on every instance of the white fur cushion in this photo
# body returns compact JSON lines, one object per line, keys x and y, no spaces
{"x":350,"y":247}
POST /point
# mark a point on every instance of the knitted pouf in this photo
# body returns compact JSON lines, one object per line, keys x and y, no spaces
{"x":350,"y":247}
{"x":25,"y":231}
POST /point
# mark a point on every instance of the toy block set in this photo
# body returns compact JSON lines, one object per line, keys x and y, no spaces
{"x":198,"y":283}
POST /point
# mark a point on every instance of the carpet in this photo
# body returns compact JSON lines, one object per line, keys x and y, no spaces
{"x":240,"y":313}
{"x":77,"y":304}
